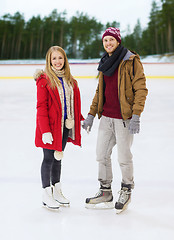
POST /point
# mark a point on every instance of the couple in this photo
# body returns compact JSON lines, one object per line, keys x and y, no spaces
{"x":119,"y":101}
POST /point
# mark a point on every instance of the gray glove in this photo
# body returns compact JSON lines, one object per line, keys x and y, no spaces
{"x":88,"y":122}
{"x":134,"y":125}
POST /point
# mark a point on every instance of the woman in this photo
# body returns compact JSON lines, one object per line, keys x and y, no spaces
{"x":57,"y":122}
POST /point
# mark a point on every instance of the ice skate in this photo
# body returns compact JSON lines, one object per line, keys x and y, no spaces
{"x":48,"y":200}
{"x":102,"y":200}
{"x":59,"y":197}
{"x":124,"y":198}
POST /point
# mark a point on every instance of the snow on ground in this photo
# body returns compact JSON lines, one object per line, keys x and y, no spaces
{"x":156,"y":58}
{"x":151,"y":212}
{"x":159,"y":58}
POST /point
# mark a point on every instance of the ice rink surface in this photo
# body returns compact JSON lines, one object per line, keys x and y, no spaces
{"x":150,"y":215}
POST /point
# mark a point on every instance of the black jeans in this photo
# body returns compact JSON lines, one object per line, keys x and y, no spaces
{"x":51,"y":168}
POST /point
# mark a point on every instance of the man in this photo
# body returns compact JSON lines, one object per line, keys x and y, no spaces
{"x":119,"y":101}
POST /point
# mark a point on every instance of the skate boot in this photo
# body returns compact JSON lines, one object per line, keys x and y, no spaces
{"x":48,"y":200}
{"x":58,"y":195}
{"x":102,"y":200}
{"x":124,"y":198}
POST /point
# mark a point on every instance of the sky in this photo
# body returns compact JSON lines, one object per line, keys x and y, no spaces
{"x":126,"y":12}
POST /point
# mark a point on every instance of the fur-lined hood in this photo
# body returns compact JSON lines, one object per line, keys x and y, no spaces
{"x":38,"y":73}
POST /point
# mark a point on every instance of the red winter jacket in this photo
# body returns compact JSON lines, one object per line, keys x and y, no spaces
{"x":49,"y":114}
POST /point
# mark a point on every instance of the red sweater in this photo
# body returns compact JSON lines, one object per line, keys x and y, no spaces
{"x":111,"y":107}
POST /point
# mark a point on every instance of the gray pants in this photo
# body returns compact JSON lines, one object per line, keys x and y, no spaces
{"x":111,"y":132}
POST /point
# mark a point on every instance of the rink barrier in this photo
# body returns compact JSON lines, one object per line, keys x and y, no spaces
{"x":80,"y":77}
{"x":28,"y":77}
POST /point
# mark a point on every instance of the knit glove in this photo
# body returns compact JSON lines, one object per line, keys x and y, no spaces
{"x":88,"y":122}
{"x":134,"y":125}
{"x":47,"y":138}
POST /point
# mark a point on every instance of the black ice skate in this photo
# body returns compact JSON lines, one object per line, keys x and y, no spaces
{"x":102,"y":200}
{"x":124,"y":198}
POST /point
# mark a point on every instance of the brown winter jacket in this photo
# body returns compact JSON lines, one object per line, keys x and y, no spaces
{"x":132,"y":89}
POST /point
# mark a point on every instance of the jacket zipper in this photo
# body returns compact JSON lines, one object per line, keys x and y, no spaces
{"x":124,"y":124}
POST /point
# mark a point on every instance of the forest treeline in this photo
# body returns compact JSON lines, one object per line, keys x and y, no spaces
{"x":81,"y":35}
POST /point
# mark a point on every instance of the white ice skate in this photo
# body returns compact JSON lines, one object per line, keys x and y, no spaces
{"x":59,"y":197}
{"x":48,"y":200}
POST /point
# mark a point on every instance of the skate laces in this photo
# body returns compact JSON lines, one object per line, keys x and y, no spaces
{"x":98,"y":193}
{"x":60,"y":191}
{"x":101,"y":192}
{"x":124,"y":195}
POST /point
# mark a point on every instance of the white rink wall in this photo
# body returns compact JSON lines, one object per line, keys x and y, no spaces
{"x":27,"y":70}
{"x":82,"y":70}
{"x":158,"y":70}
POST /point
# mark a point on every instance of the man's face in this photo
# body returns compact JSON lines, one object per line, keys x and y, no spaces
{"x":110,"y":44}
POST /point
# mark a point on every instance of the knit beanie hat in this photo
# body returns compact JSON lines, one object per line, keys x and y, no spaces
{"x":114,"y":32}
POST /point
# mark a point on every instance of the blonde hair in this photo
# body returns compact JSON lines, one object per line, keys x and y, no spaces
{"x":50,"y":73}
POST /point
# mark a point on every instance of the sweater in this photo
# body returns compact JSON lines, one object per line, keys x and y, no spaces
{"x":111,"y":106}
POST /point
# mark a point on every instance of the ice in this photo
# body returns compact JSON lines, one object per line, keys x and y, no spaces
{"x":150,"y":214}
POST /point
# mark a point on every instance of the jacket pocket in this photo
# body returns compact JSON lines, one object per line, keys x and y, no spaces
{"x":130,"y":96}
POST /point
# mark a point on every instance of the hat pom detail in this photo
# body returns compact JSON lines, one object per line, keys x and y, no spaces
{"x":69,"y":123}
{"x":58,"y":155}
{"x":114,"y":32}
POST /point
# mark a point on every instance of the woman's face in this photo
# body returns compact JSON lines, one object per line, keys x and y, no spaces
{"x":57,"y":60}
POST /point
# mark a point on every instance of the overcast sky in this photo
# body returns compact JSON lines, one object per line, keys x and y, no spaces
{"x":126,"y":12}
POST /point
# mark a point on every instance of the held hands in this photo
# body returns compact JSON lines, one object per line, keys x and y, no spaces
{"x":88,"y":122}
{"x":47,"y":138}
{"x":134,"y":125}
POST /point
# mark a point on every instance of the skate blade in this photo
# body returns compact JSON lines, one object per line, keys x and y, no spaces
{"x":50,"y":208}
{"x":118,"y":211}
{"x":105,"y":205}
{"x":63,"y":204}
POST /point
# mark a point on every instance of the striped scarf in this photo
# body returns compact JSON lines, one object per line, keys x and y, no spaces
{"x":69,"y":96}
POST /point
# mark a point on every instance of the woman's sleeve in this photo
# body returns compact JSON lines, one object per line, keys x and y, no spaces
{"x":42,"y":107}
